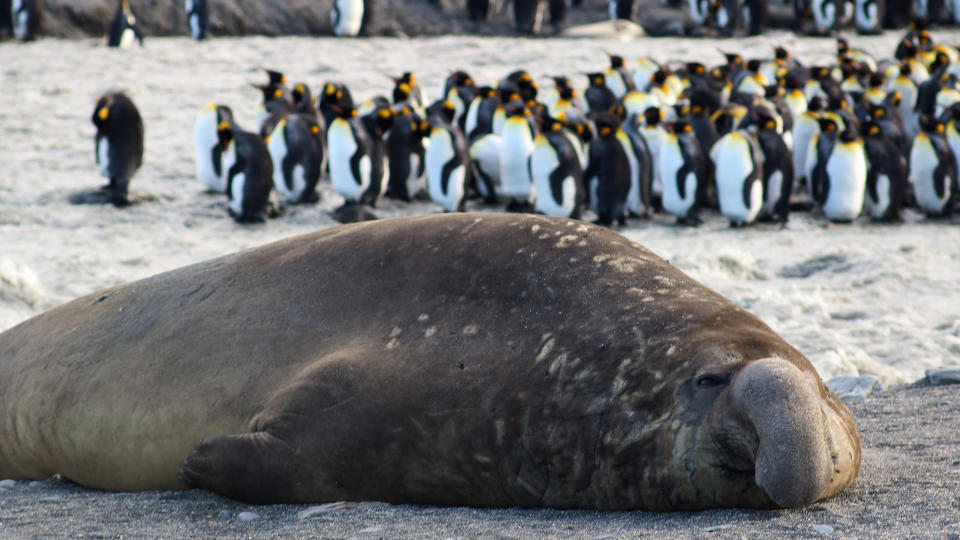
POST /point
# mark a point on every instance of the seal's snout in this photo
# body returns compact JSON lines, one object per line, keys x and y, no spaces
{"x":793,"y":460}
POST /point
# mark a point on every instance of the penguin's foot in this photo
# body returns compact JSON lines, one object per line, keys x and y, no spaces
{"x":519,"y":206}
{"x":689,"y":221}
{"x":309,"y":197}
{"x":275,"y":210}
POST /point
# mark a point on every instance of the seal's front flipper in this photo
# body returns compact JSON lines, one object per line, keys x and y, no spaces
{"x":251,"y":467}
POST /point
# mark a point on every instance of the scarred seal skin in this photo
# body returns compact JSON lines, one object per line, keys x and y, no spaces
{"x":468,"y":359}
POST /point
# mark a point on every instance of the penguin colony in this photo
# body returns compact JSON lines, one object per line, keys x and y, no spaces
{"x":752,"y":139}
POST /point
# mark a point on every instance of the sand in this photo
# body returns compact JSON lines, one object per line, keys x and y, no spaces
{"x":856,"y":299}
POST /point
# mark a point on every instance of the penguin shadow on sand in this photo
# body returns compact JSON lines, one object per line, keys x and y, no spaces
{"x":118,"y":151}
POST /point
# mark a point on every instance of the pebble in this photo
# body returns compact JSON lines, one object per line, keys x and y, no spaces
{"x":8,"y":483}
{"x":247,"y":516}
{"x":849,"y":386}
{"x":943,"y":375}
{"x":224,"y":514}
{"x":323,"y":509}
{"x":823,"y":529}
{"x":716,"y":528}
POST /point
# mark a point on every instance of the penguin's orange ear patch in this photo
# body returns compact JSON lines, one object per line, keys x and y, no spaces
{"x":314,"y":129}
{"x":278,"y":93}
{"x":224,"y":126}
{"x":103,"y":113}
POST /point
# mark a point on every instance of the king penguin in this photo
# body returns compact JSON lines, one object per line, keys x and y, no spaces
{"x":839,"y":174}
{"x":607,"y":177}
{"x":206,"y":145}
{"x":118,"y":144}
{"x":516,"y":146}
{"x":683,"y":171}
{"x":778,"y":171}
{"x":556,"y":171}
{"x":358,"y":168}
{"x":738,"y":164}
{"x":347,"y":17}
{"x":248,"y":173}
{"x":123,"y":27}
{"x":868,"y":16}
{"x":933,"y":169}
{"x":297,"y":162}
{"x":405,"y":149}
{"x":447,"y":162}
{"x":198,"y":18}
{"x":886,"y":175}
{"x":25,"y":15}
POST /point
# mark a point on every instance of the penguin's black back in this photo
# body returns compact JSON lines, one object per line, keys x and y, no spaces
{"x":253,"y":159}
{"x":883,"y":158}
{"x":123,"y":130}
{"x":608,"y":163}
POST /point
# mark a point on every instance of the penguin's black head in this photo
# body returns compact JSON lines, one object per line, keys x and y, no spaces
{"x":842,"y":46}
{"x":763,"y":119}
{"x":836,"y":103}
{"x":930,"y":124}
{"x":780,"y":53}
{"x":299,"y":93}
{"x":875,"y":80}
{"x":616,"y":61}
{"x":606,"y":123}
{"x":487,"y":92}
{"x":720,"y":74}
{"x":516,"y":110}
{"x":401,"y":92}
{"x":753,"y":65}
{"x":872,"y":129}
{"x":101,"y":111}
{"x":924,"y":39}
{"x":733,"y":59}
{"x":827,"y":125}
{"x":695,"y":68}
{"x":276,"y":77}
{"x":652,"y":115}
{"x":383,"y":119}
{"x":596,"y":79}
{"x":224,"y":134}
{"x":815,"y":104}
{"x":461,"y":78}
{"x":819,"y":72}
{"x":682,"y":127}
{"x":848,"y":136}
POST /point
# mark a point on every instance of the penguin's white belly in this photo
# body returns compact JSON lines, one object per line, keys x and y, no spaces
{"x":204,"y":141}
{"x":774,"y":191}
{"x":878,"y":206}
{"x":731,"y":155}
{"x":803,"y":131}
{"x":634,"y":201}
{"x":473,"y":112}
{"x":923,"y":162}
{"x":824,"y":16}
{"x":195,"y":26}
{"x":127,"y":38}
{"x":671,"y":161}
{"x":236,"y":193}
{"x":349,"y":19}
{"x":698,"y":11}
{"x":288,"y":187}
{"x":654,"y":140}
{"x":414,"y":179}
{"x":515,"y":150}
{"x":20,"y":23}
{"x":542,"y":163}
{"x":866,"y":15}
{"x":485,"y":153}
{"x":438,"y":154}
{"x":847,"y":171}
{"x":341,"y":147}
{"x":103,"y":157}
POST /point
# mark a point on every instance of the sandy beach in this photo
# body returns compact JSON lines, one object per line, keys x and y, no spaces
{"x":859,"y":299}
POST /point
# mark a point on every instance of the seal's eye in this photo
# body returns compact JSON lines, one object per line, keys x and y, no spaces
{"x":712,"y":380}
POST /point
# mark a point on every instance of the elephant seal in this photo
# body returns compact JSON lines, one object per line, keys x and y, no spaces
{"x":469,"y":359}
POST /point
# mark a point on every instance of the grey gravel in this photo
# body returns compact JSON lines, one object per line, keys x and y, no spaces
{"x":907,"y":488}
